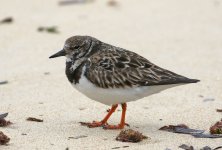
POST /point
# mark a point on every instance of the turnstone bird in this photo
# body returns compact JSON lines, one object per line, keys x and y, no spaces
{"x":113,"y":75}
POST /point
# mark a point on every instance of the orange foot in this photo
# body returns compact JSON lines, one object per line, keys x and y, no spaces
{"x":94,"y":124}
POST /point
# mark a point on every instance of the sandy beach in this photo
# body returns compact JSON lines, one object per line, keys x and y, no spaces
{"x":182,"y":36}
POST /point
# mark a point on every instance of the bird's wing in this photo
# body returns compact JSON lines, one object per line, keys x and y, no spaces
{"x":118,"y":68}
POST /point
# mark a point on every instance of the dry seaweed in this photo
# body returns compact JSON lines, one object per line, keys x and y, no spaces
{"x":173,"y":127}
{"x":7,"y":20}
{"x":130,"y":136}
{"x":34,"y":119}
{"x":52,"y":29}
{"x":3,"y":139}
{"x":219,"y":110}
{"x":120,"y":147}
{"x":2,"y":116}
{"x":208,"y":99}
{"x":46,"y":73}
{"x":204,"y":135}
{"x":181,"y":128}
{"x":206,"y":148}
{"x":186,"y":147}
{"x":116,"y":147}
{"x":4,"y":122}
{"x":4,"y":82}
{"x":78,"y":137}
{"x":216,"y":128}
{"x":219,"y":147}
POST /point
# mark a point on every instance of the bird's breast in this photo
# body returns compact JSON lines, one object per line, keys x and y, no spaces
{"x":73,"y":72}
{"x":111,"y":96}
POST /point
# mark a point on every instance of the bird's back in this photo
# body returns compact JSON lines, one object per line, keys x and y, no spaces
{"x":113,"y":67}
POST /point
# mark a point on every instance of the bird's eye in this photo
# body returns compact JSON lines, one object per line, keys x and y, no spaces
{"x":76,"y":47}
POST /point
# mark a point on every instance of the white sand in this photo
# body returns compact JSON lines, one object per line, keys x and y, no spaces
{"x":183,"y":36}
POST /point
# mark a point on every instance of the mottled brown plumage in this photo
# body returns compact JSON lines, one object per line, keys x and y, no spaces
{"x":108,"y":66}
{"x":113,"y":67}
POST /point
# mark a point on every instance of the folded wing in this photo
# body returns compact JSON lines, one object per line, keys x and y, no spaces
{"x":122,"y":68}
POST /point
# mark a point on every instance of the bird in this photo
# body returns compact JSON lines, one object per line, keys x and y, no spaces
{"x":113,"y":76}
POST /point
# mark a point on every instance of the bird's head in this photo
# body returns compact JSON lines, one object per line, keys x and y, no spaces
{"x":75,"y":47}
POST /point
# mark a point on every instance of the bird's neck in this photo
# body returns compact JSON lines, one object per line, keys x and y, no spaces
{"x":74,"y":69}
{"x":72,"y":64}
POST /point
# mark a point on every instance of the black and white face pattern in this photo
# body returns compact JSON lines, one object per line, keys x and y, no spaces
{"x":77,"y":47}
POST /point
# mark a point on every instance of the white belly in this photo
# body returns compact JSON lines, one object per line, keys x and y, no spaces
{"x":117,"y":95}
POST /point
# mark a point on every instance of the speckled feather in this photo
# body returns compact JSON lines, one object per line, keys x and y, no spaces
{"x":113,"y":67}
{"x":108,"y":66}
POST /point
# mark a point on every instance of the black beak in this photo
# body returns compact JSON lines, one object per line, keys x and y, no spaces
{"x":58,"y":54}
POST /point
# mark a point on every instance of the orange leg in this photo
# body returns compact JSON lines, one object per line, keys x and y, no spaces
{"x":122,"y":122}
{"x":103,"y":122}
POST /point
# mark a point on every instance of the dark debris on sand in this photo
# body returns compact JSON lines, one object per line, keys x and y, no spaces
{"x":206,"y":148}
{"x":219,"y":110}
{"x":219,"y":147}
{"x":181,"y":128}
{"x":205,"y":135}
{"x":3,"y":139}
{"x":52,"y":29}
{"x":3,"y":122}
{"x":119,"y":147}
{"x":208,"y":99}
{"x":6,"y":20}
{"x":216,"y":128}
{"x":172,"y":128}
{"x":186,"y":147}
{"x":78,"y":137}
{"x":34,"y":119}
{"x":184,"y":129}
{"x":130,"y":136}
{"x":46,"y":73}
{"x":4,"y":82}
